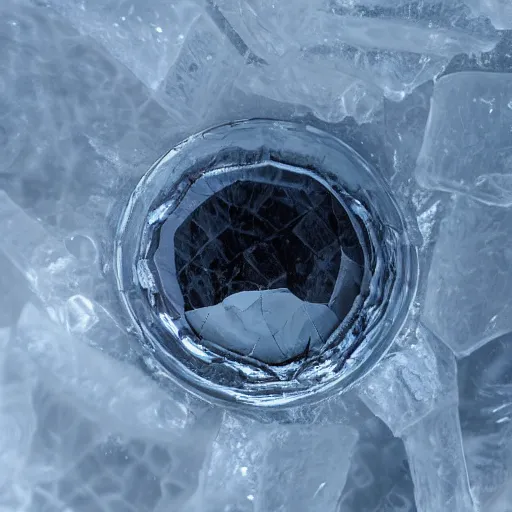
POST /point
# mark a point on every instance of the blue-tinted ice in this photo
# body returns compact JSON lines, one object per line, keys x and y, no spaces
{"x":92,"y":94}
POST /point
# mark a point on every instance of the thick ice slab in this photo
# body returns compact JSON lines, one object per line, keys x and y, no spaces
{"x":278,"y":467}
{"x":411,"y":381}
{"x":144,"y":36}
{"x":379,"y":479}
{"x":468,"y":144}
{"x":414,"y":390}
{"x":468,"y":293}
{"x":360,"y":58}
{"x":486,"y":413}
{"x":436,"y":458}
{"x":498,"y":11}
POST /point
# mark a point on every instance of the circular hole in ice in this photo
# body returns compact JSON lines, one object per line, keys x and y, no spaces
{"x":264,"y":263}
{"x":266,"y":270}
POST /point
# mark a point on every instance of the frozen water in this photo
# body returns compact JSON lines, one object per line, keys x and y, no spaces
{"x":498,"y":11}
{"x":361,"y":58}
{"x":273,"y":325}
{"x":436,"y":458}
{"x":92,"y":93}
{"x":379,"y":479}
{"x":471,"y":260}
{"x":69,"y":441}
{"x":278,"y":467}
{"x":101,"y":383}
{"x":146,"y":37}
{"x":486,"y":412}
{"x":411,"y":381}
{"x":414,"y":390}
{"x":467,"y":145}
{"x":67,"y":106}
{"x":206,"y":66}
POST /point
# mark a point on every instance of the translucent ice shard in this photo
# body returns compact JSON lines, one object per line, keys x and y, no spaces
{"x":411,"y":381}
{"x":17,"y":419}
{"x":306,"y":467}
{"x":379,"y":478}
{"x":467,"y":144}
{"x":471,"y":260}
{"x":206,"y":67}
{"x":499,"y":11}
{"x":278,"y":467}
{"x":360,"y":58}
{"x":486,"y":413}
{"x":65,"y":283}
{"x":73,"y":117}
{"x":43,"y":260}
{"x":145,"y":36}
{"x":438,"y":467}
{"x":415,"y":392}
{"x":273,"y":326}
{"x":66,"y":450}
{"x":113,"y":389}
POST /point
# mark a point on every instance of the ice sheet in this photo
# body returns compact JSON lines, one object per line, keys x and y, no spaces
{"x":146,"y":37}
{"x":360,"y":58}
{"x":411,"y":381}
{"x":278,"y":467}
{"x":468,"y":144}
{"x":467,"y":301}
{"x":486,"y":412}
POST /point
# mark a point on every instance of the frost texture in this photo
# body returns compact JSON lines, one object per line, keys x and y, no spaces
{"x":92,"y":93}
{"x":467,"y":145}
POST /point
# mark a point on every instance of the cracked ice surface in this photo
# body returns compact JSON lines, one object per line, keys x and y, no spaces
{"x":90,"y":100}
{"x":339,"y":63}
{"x":485,"y":410}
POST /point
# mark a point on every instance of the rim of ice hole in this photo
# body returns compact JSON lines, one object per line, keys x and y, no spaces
{"x":354,"y":347}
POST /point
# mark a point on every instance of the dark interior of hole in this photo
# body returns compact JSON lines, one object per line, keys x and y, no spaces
{"x":259,"y":236}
